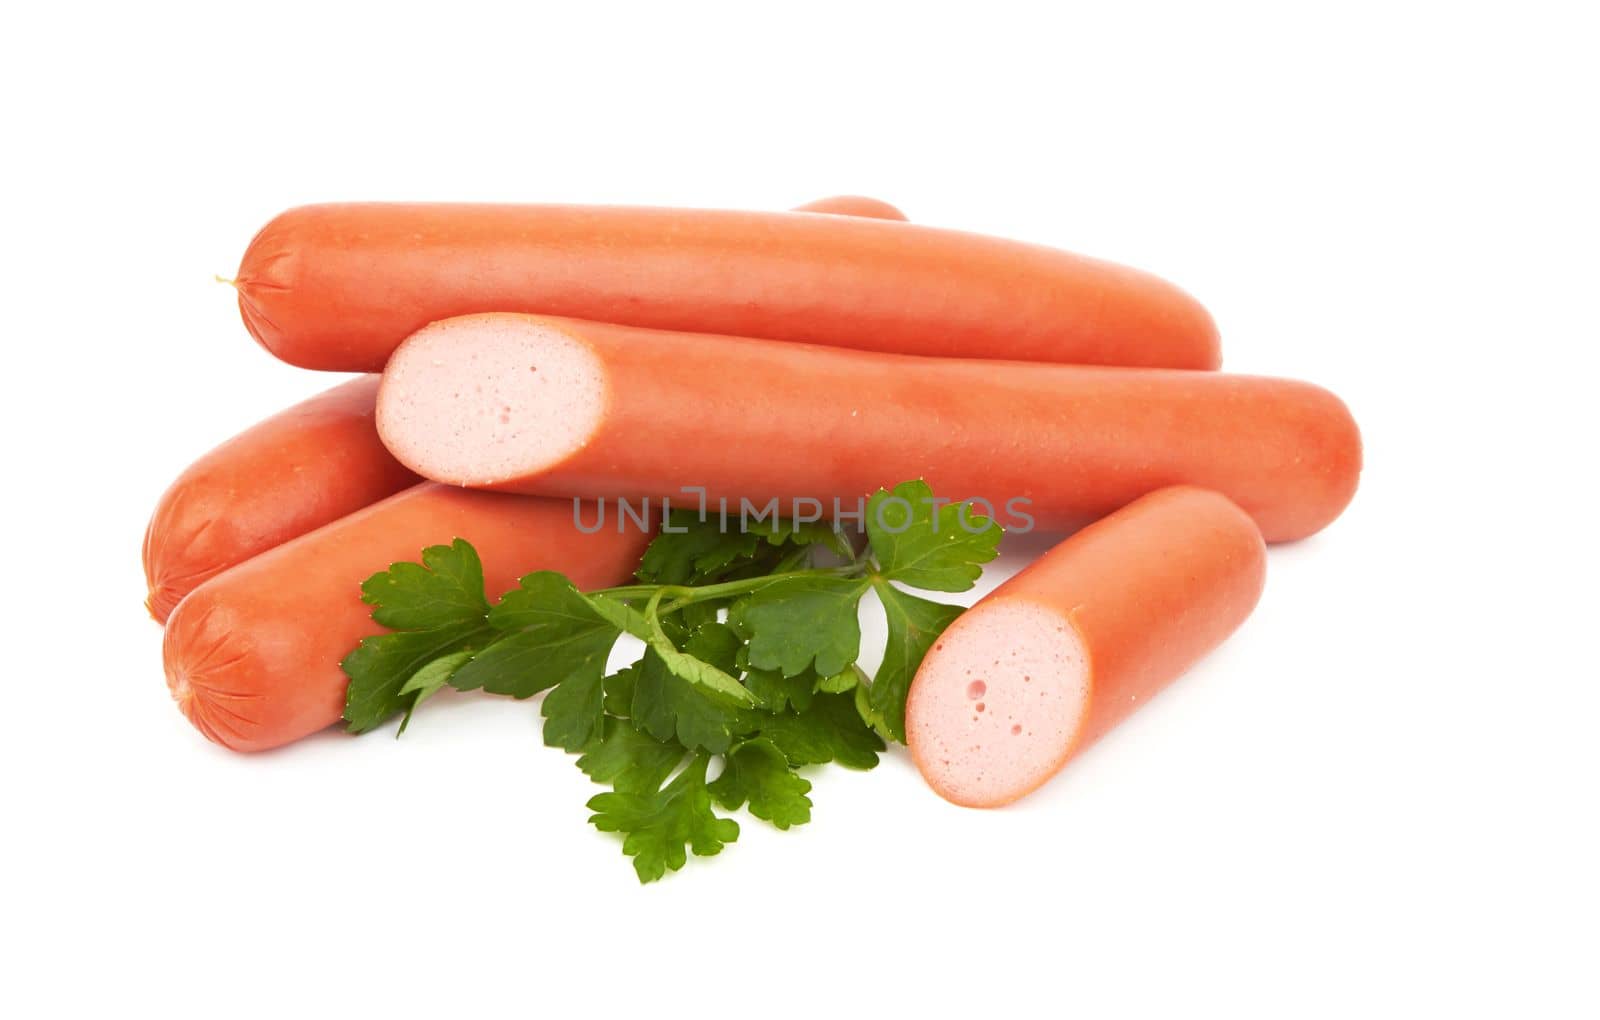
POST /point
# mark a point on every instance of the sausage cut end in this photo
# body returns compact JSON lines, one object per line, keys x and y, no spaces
{"x":478,"y":399}
{"x":998,"y":702}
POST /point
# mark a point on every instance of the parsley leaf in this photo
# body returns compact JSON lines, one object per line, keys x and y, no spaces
{"x":778,"y":531}
{"x":830,"y":730}
{"x":668,"y":707}
{"x":446,"y":587}
{"x":551,"y":633}
{"x":755,"y":771}
{"x":436,"y":608}
{"x":778,"y":693}
{"x":430,"y":680}
{"x":749,"y":654}
{"x":914,"y":625}
{"x":735,"y":552}
{"x":802,"y":621}
{"x":694,"y":665}
{"x":924,"y":549}
{"x":840,"y":682}
{"x":691,"y":550}
{"x":619,"y":687}
{"x":630,"y":761}
{"x":715,"y":644}
{"x":381,"y":665}
{"x":574,"y":711}
{"x":869,"y":715}
{"x":656,"y":826}
{"x":620,"y":615}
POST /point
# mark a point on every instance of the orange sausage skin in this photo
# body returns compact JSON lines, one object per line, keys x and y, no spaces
{"x":252,"y":656}
{"x":295,"y":472}
{"x":1147,"y":592}
{"x":854,"y":205}
{"x":337,"y":287}
{"x":750,"y":419}
{"x":1152,"y":588}
{"x":285,"y":476}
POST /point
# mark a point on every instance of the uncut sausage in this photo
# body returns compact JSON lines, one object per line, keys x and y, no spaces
{"x":296,"y":471}
{"x":252,"y":656}
{"x":339,"y":286}
{"x":1066,"y":649}
{"x":565,"y":408}
{"x":854,"y":205}
{"x":278,"y":479}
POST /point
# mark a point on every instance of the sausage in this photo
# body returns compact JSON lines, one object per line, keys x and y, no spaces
{"x":339,"y":286}
{"x":295,"y":472}
{"x":854,"y":205}
{"x":252,"y":655}
{"x":1066,"y":649}
{"x":278,"y":479}
{"x":565,"y":408}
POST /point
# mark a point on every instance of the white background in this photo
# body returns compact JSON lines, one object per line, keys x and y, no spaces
{"x":1378,"y":799}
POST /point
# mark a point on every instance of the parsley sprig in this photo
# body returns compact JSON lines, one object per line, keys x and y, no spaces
{"x":749,"y":649}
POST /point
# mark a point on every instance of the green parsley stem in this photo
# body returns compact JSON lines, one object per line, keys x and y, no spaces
{"x":686,"y":595}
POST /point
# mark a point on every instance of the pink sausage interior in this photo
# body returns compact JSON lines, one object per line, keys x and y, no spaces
{"x":475,"y":400}
{"x":997,"y":702}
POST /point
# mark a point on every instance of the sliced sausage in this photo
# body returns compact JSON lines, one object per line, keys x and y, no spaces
{"x":1067,"y":648}
{"x":565,"y":408}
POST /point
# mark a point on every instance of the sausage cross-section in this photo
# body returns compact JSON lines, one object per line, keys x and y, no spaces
{"x":1067,"y":648}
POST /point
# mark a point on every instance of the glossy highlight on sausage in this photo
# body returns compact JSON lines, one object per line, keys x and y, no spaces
{"x":1062,"y":652}
{"x":566,"y":408}
{"x":252,"y":656}
{"x":337,"y":287}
